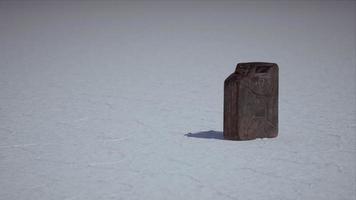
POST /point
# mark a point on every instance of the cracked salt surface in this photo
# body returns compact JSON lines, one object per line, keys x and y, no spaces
{"x":124,"y":100}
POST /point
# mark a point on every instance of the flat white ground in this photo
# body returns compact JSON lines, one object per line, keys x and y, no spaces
{"x":96,"y":100}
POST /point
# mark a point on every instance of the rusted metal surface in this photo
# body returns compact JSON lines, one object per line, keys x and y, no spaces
{"x":251,"y":102}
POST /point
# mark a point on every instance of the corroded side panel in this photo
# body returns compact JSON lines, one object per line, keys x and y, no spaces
{"x":230,"y":107}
